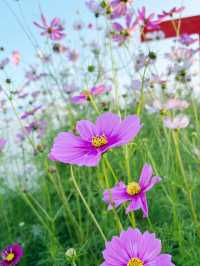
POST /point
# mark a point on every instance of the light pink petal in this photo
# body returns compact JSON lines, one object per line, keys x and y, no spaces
{"x":79,"y":99}
{"x":153,"y":182}
{"x":164,"y":260}
{"x":86,"y":130}
{"x":71,"y":149}
{"x":147,"y":251}
{"x":134,"y":205}
{"x":129,"y":128}
{"x":144,"y":205}
{"x":146,"y":175}
{"x":117,"y":27}
{"x":108,"y":124}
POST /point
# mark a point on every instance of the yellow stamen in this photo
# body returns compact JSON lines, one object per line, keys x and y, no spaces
{"x":135,"y":262}
{"x":133,"y":188}
{"x":10,"y":256}
{"x":49,"y":30}
{"x":99,"y":141}
{"x":86,"y":94}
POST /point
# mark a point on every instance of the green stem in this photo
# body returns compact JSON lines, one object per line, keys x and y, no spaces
{"x":119,"y":225}
{"x":185,"y":180}
{"x":110,"y":168}
{"x":87,"y":206}
{"x":94,"y":104}
{"x":141,"y":101}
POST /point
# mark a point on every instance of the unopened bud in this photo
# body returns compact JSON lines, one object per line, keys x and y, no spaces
{"x":71,"y":253}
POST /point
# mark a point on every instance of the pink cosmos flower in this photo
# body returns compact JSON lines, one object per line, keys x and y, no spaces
{"x":30,"y":113}
{"x":72,"y":55}
{"x":16,"y":57}
{"x":54,"y":30}
{"x":108,"y":132}
{"x":171,"y":104}
{"x":85,"y":96}
{"x":175,"y":103}
{"x":147,"y":21}
{"x":119,"y":7}
{"x":90,"y":26}
{"x":36,"y":126}
{"x":78,"y":25}
{"x":133,"y":192}
{"x":95,"y":7}
{"x":11,"y":255}
{"x":4,"y":63}
{"x":2,"y":144}
{"x":171,"y":12}
{"x":180,"y":121}
{"x":132,"y":248}
{"x":120,"y":33}
{"x":187,"y":40}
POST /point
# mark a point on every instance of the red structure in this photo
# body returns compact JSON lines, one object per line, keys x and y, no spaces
{"x":174,"y":27}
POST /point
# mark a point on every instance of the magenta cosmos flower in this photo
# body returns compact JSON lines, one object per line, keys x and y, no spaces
{"x":108,"y":132}
{"x":84,"y":96}
{"x":132,"y":248}
{"x":147,"y":21}
{"x":11,"y":255}
{"x":133,"y":192}
{"x":54,"y":30}
{"x":2,"y":144}
{"x":120,"y":34}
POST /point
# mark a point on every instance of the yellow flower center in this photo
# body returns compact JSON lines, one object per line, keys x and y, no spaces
{"x":49,"y":30}
{"x":86,"y":94}
{"x":10,"y":256}
{"x":135,"y":262}
{"x":133,"y":189}
{"x":99,"y":141}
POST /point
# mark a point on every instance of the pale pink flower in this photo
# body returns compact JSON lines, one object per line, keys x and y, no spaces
{"x":176,"y":104}
{"x":54,"y":30}
{"x":180,"y":121}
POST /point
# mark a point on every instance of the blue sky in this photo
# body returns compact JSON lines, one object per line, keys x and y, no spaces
{"x":13,"y":37}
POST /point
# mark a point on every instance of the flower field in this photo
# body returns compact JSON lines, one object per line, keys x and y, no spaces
{"x":100,"y":139}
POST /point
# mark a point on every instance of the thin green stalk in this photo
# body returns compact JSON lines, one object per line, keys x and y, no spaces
{"x":110,"y":167}
{"x":94,"y":104}
{"x":87,"y":206}
{"x":40,"y":218}
{"x":119,"y":225}
{"x":141,"y":101}
{"x":185,"y":179}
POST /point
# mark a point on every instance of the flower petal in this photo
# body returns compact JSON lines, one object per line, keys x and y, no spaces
{"x":129,"y":128}
{"x":116,"y":195}
{"x":144,"y":205}
{"x":71,"y":149}
{"x":164,"y":260}
{"x":86,"y":130}
{"x":153,"y":182}
{"x":108,"y":124}
{"x":149,"y":252}
{"x":146,"y":175}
